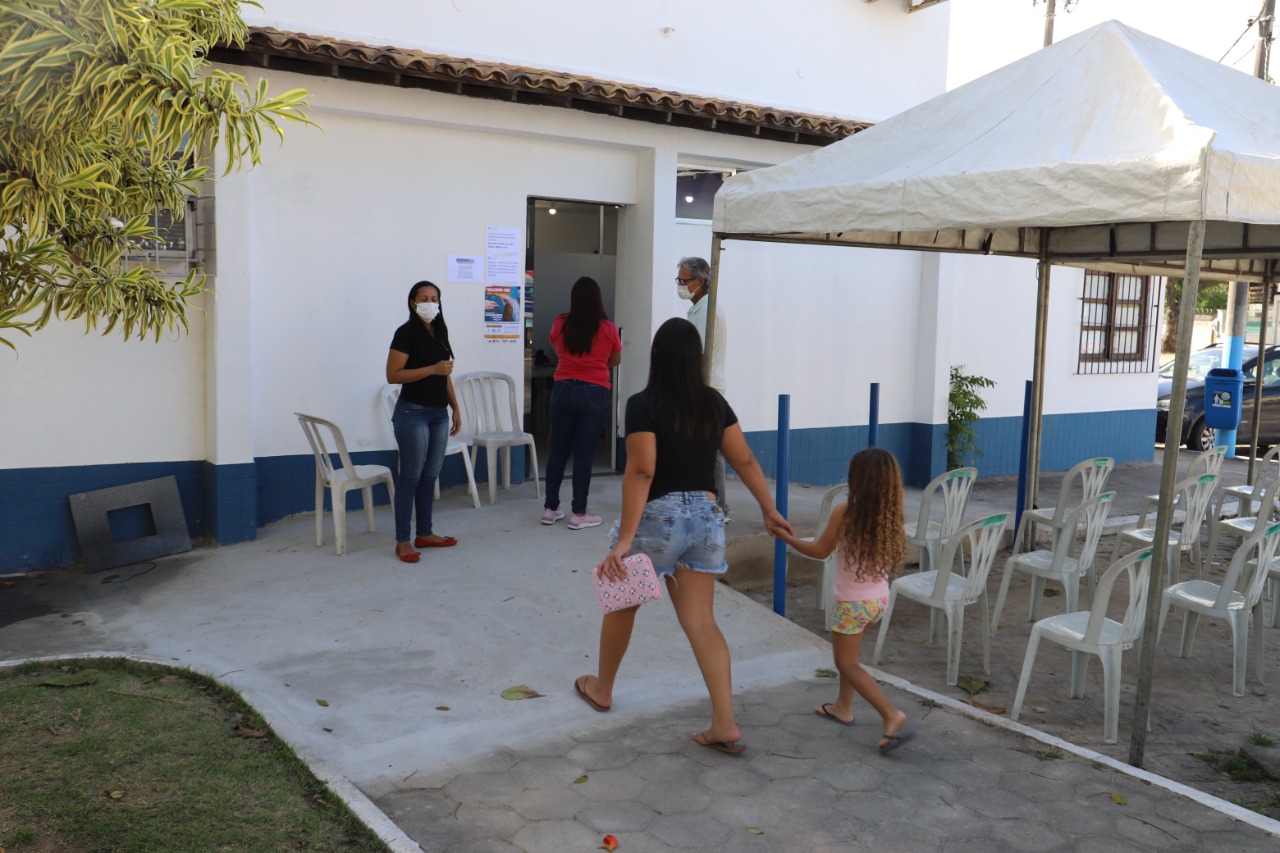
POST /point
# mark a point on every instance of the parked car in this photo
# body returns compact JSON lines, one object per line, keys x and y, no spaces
{"x":1197,"y":436}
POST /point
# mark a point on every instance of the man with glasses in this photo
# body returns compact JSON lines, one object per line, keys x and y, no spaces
{"x":693,"y":277}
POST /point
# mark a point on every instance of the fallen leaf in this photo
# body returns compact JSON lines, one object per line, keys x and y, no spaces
{"x":1050,"y":592}
{"x":322,"y":703}
{"x":164,"y":679}
{"x":580,"y":779}
{"x":109,"y":579}
{"x":520,"y":692}
{"x":825,"y":673}
{"x":74,"y":679}
{"x":75,"y":715}
{"x":245,"y":731}
{"x":754,"y":831}
{"x":1119,"y":800}
{"x":971,"y":684}
{"x":113,"y":795}
{"x":326,"y":728}
{"x":442,"y":707}
{"x":610,"y":844}
{"x":990,"y":709}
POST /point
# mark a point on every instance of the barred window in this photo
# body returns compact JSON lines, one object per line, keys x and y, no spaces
{"x":1117,"y":323}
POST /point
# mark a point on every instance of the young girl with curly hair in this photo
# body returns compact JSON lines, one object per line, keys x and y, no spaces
{"x":867,"y":532}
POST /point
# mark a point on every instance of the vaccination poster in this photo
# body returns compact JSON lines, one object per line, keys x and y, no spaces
{"x":503,"y":320}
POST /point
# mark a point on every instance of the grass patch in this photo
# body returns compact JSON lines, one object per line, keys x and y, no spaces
{"x":1239,"y":769}
{"x":1051,"y":754}
{"x":148,"y":758}
{"x":1261,"y":739}
{"x":1210,"y":758}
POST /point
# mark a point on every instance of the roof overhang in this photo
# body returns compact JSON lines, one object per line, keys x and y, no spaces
{"x":265,"y":47}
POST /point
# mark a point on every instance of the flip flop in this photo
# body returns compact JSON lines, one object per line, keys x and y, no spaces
{"x":822,"y":711}
{"x":718,"y":745}
{"x":577,"y":686}
{"x":445,"y":542}
{"x":895,"y":741}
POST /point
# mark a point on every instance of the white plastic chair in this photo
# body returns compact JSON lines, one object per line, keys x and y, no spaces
{"x":1208,"y":462}
{"x":339,"y":481}
{"x":1193,"y":495}
{"x":1248,"y":497}
{"x":488,"y":403}
{"x":1240,"y":592}
{"x":1090,"y":632}
{"x":1241,"y":526}
{"x":1092,"y":474}
{"x":951,"y":590}
{"x":1273,"y":590}
{"x":951,"y":489}
{"x":459,"y":443}
{"x":826,"y":592}
{"x":1057,"y":564}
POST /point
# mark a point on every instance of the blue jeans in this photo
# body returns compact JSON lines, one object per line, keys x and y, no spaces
{"x":579,"y":411}
{"x":421,"y":433}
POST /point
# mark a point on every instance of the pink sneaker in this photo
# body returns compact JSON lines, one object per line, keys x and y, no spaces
{"x":551,"y":516}
{"x":578,"y":522}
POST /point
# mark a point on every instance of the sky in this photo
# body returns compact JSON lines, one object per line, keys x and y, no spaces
{"x":988,"y":34}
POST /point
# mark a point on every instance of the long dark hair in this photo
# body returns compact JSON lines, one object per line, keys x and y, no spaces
{"x":680,"y":396}
{"x":586,"y":310}
{"x":437,"y":325}
{"x":871,"y":533}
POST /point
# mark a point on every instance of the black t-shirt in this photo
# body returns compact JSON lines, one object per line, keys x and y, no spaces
{"x":681,"y":466}
{"x":424,"y":349}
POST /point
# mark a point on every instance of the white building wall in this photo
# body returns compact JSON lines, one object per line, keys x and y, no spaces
{"x":993,"y":335}
{"x":83,"y":399}
{"x":834,"y":57}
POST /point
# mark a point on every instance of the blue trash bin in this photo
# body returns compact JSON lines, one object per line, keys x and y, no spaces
{"x":1223,"y":387}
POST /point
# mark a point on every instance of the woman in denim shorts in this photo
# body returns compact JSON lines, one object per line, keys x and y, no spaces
{"x":673,"y":429}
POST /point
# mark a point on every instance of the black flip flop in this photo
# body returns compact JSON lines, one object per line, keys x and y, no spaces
{"x":577,"y":686}
{"x":895,"y":741}
{"x":822,"y":711}
{"x":718,"y":745}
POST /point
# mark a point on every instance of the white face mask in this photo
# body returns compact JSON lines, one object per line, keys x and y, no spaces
{"x":684,"y":292}
{"x":427,"y":310}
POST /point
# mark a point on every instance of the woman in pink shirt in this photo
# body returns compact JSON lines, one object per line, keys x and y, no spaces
{"x":588,"y":347}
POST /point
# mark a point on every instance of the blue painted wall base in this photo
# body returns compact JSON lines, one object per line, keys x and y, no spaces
{"x":228,"y":503}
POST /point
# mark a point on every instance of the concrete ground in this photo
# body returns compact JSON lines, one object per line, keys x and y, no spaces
{"x":412,"y":660}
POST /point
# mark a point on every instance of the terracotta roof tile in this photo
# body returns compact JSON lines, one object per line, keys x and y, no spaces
{"x":418,"y":69}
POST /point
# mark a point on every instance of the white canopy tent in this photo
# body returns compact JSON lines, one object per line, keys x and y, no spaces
{"x":1112,"y":150}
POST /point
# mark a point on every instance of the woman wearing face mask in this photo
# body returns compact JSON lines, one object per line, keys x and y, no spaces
{"x":421,"y":361}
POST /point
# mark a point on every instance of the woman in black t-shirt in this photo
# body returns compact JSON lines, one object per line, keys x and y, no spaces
{"x":674,"y":428}
{"x":421,"y":361}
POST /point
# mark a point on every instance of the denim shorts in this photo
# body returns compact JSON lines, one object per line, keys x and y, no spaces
{"x":681,"y":529}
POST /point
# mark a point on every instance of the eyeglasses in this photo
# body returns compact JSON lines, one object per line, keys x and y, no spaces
{"x":685,"y":281}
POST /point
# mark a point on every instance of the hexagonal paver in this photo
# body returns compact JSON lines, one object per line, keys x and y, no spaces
{"x":607,"y":785}
{"x":555,"y":836}
{"x":756,"y":810}
{"x":549,"y":803}
{"x":773,"y":739}
{"x":813,"y":793}
{"x":676,"y":797}
{"x":697,"y":831}
{"x":775,"y":765}
{"x":619,"y":816}
{"x":603,"y":755}
{"x":875,"y":808}
{"x":851,"y":776}
{"x":664,"y":768}
{"x":541,"y":772}
{"x":495,"y":821}
{"x":485,"y":788}
{"x":737,"y":779}
{"x":919,"y":787}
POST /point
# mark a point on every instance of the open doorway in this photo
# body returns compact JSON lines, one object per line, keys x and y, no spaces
{"x":566,"y":240}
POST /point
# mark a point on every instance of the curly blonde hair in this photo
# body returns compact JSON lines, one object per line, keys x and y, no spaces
{"x":871,"y":533}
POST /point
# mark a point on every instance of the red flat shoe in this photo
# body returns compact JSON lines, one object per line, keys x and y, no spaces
{"x":411,"y":557}
{"x":445,"y":542}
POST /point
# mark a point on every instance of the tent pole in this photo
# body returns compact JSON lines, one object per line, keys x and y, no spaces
{"x":1168,"y":477}
{"x":713,"y":287}
{"x":1037,"y":372}
{"x":1259,"y":372}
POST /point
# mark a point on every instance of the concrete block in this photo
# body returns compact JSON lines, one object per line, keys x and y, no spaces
{"x":100,"y":551}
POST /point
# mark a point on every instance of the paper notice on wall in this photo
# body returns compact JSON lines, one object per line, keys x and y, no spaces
{"x":503,"y":320}
{"x":504,"y":257}
{"x":466,"y":269}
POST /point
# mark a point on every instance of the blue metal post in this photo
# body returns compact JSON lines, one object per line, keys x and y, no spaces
{"x":873,"y":425}
{"x":783,"y":480}
{"x":1022,"y":457}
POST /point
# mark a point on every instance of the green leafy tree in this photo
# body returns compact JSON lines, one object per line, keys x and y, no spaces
{"x":965,"y":405}
{"x":109,"y":110}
